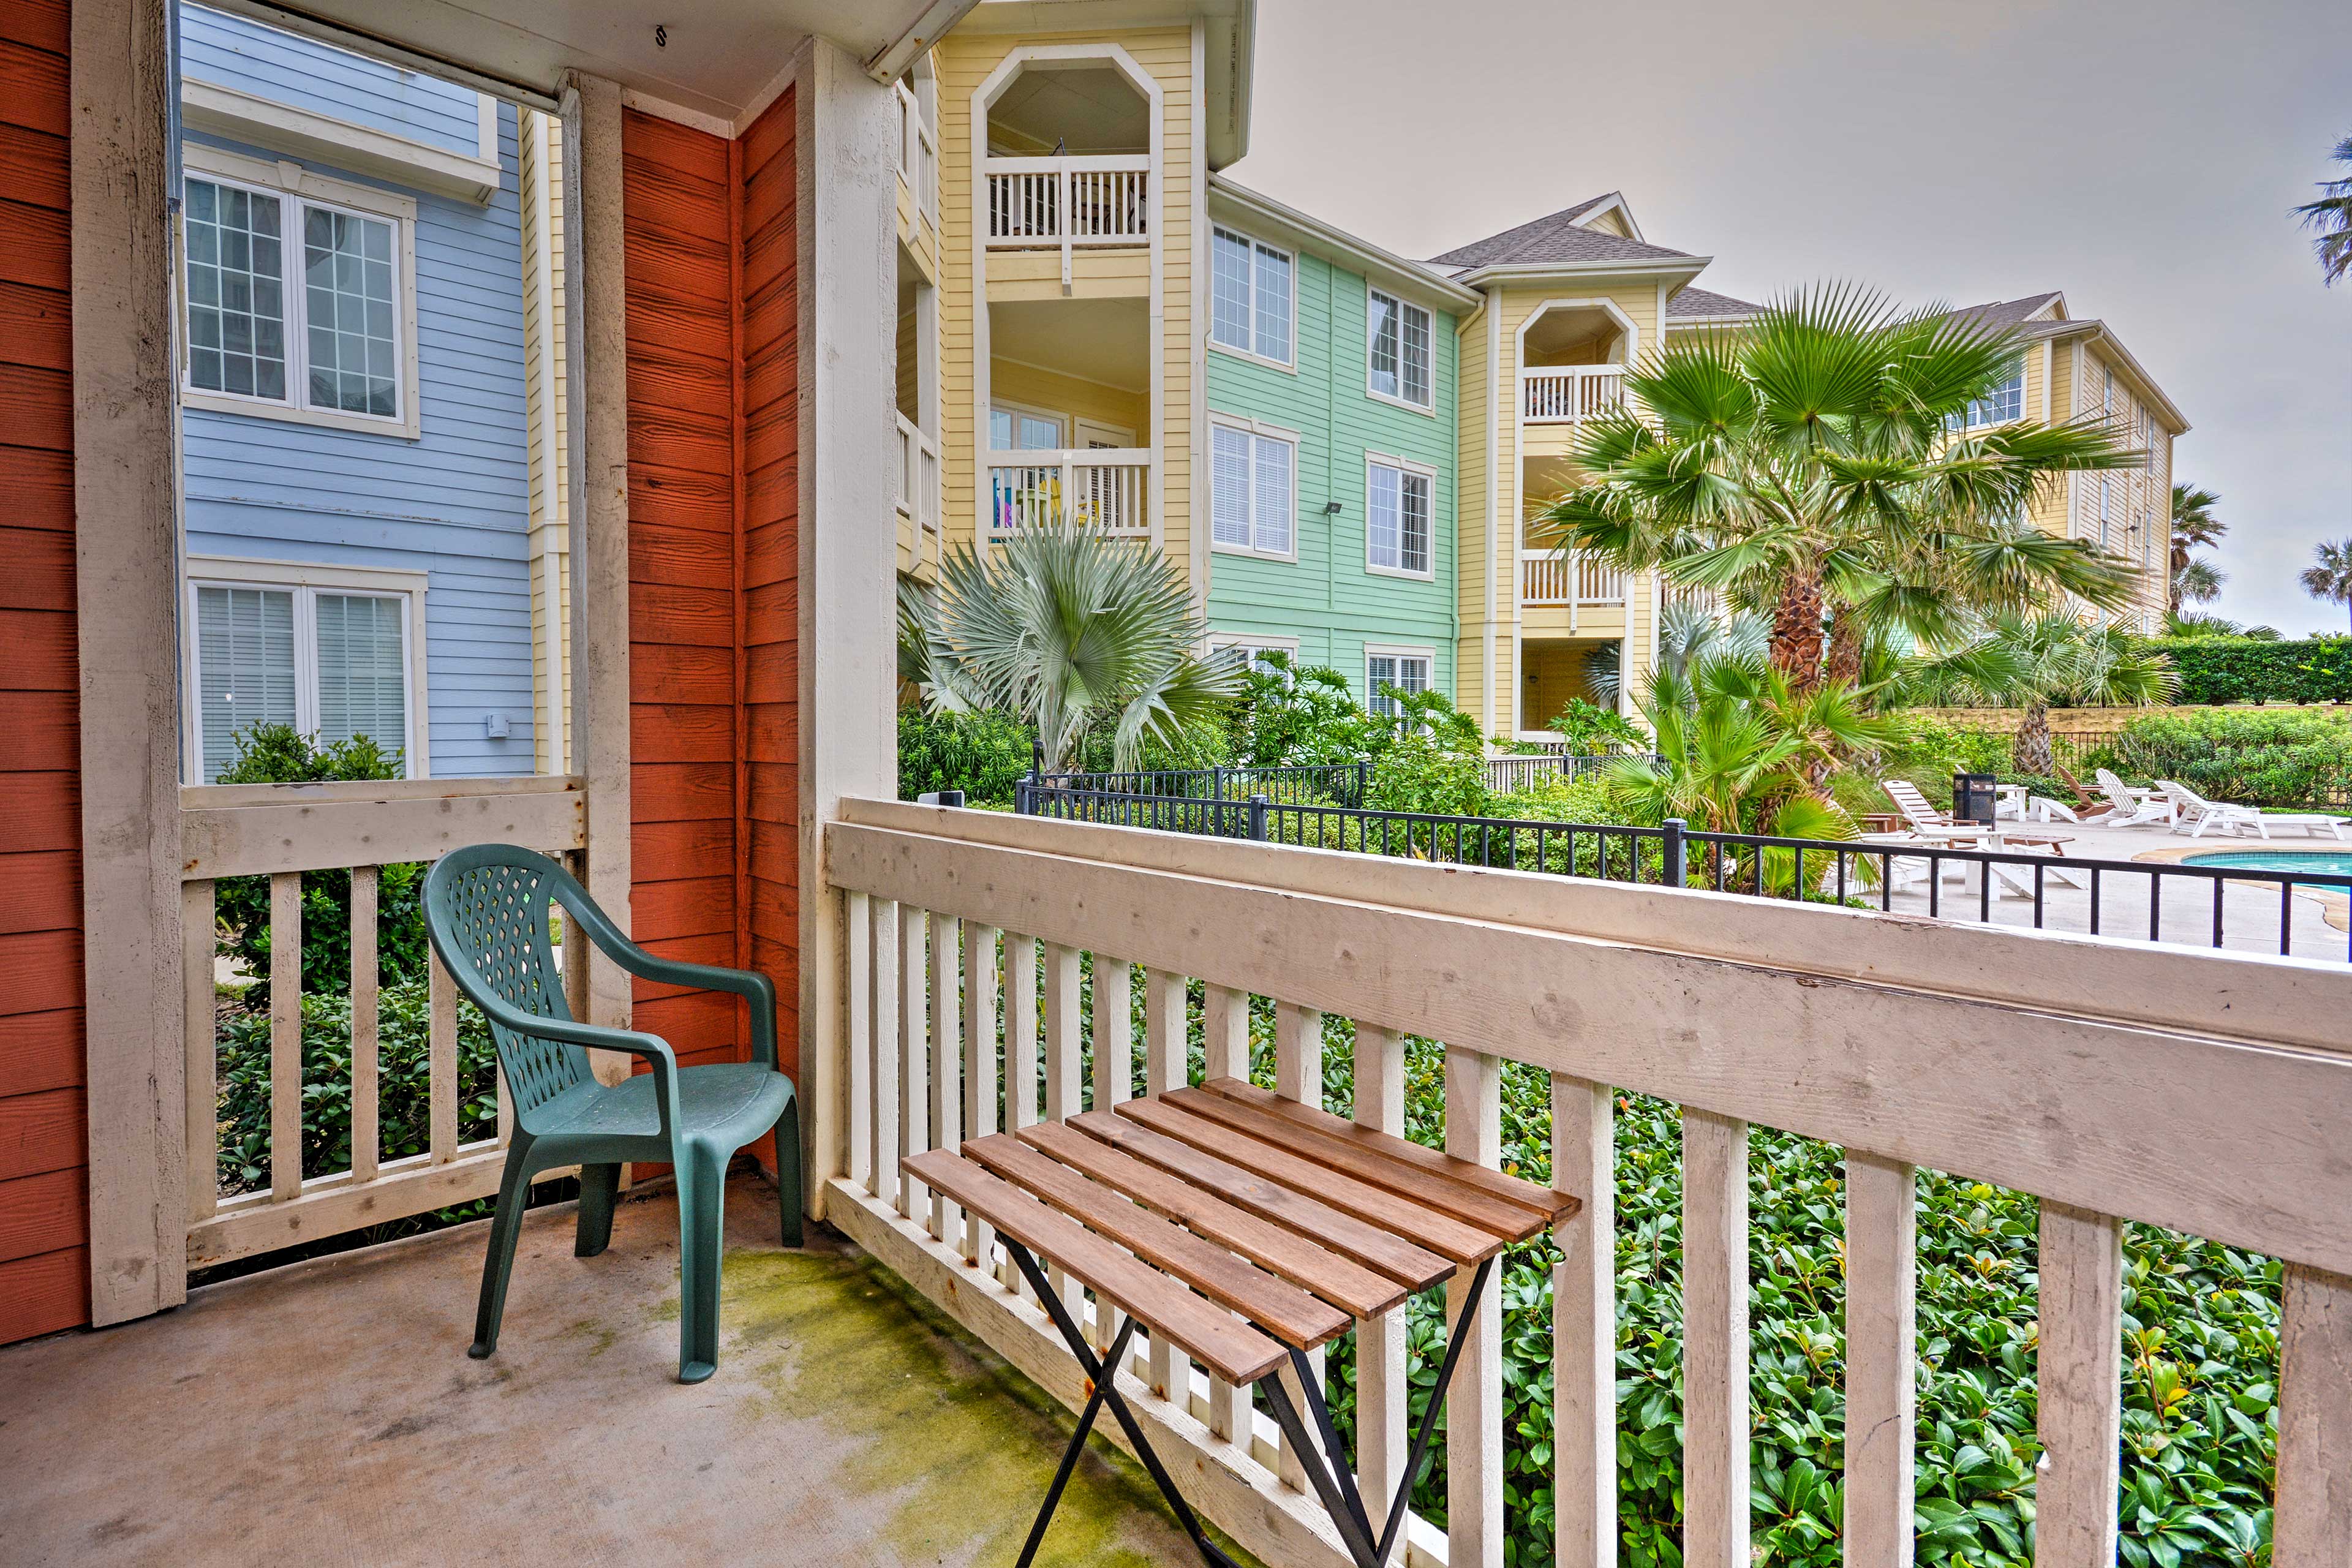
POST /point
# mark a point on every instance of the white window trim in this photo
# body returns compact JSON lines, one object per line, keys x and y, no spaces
{"x":1429,"y":409}
{"x":1995,"y":424}
{"x":1265,"y":431}
{"x":1373,"y":650}
{"x":289,"y":180}
{"x":1250,"y":644}
{"x":1061,"y":423}
{"x":306,"y":580}
{"x":1289,"y":367}
{"x":1402,"y":465}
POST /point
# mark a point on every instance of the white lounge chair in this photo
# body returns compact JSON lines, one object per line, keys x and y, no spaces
{"x":2133,"y":806}
{"x":2193,"y":814}
{"x":1914,"y":806}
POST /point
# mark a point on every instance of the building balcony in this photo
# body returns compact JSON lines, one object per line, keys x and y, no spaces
{"x":1553,"y":577}
{"x":1109,"y":486}
{"x":1570,"y":394}
{"x":1068,"y":205}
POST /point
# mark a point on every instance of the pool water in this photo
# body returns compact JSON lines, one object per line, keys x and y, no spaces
{"x":2325,"y":862}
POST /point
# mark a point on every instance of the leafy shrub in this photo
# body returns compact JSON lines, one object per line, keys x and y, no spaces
{"x":1294,"y":715}
{"x":2250,"y":755}
{"x":279,"y":753}
{"x":980,"y":753}
{"x":404,"y":1087}
{"x":2245,"y":669}
{"x":1592,"y":731}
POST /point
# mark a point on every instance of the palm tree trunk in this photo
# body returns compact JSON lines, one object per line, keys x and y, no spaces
{"x":1845,"y":667}
{"x":1797,"y":631}
{"x":2031,"y":747}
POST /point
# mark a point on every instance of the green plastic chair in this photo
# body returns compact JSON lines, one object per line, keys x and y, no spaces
{"x":486,"y":910}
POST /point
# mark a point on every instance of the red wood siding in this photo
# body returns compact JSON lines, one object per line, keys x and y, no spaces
{"x":44,"y":1141}
{"x":712,"y":492}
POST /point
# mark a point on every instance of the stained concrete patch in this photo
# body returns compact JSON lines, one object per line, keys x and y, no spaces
{"x":327,"y":1414}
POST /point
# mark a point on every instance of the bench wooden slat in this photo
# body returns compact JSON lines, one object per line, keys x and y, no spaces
{"x":1273,"y":1305}
{"x":1341,"y":1145}
{"x":1230,"y":1349}
{"x":1385,"y":1252}
{"x":1340,"y":1281}
{"x":1427,"y":1228}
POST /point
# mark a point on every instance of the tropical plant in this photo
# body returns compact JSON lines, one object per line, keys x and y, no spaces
{"x":2040,"y":662}
{"x":1820,"y":467}
{"x":2198,"y":624}
{"x":1070,"y":628}
{"x":1590,"y":730}
{"x":982,"y":754}
{"x":2329,"y":575}
{"x":2330,"y":218}
{"x":2257,"y":668}
{"x":2195,"y":526}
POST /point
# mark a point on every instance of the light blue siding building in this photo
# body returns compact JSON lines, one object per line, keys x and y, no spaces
{"x":357,"y":461}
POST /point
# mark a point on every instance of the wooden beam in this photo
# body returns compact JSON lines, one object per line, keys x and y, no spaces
{"x":2079,"y":1378}
{"x":1882,"y":1270}
{"x":364,"y":829}
{"x":126,"y":581}
{"x":2313,"y":1527}
{"x":1714,"y":1339}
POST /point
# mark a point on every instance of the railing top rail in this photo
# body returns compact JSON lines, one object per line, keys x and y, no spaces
{"x":1081,"y":456}
{"x":1916,"y":1041}
{"x":1076,"y":163}
{"x":204,"y":798}
{"x":373,"y":823}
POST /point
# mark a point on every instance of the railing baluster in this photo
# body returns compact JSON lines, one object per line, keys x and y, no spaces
{"x":1881,"y":1371}
{"x":2313,"y":1519}
{"x":366,"y":1128}
{"x":915,"y":1051}
{"x":198,"y":939}
{"x":1019,"y":1050}
{"x":1714,"y":1339}
{"x":1298,"y":1075}
{"x":1225,"y":1054}
{"x":1114,"y":1042}
{"x":980,"y":1025}
{"x":1473,"y":1404}
{"x":1382,"y":1394}
{"x":947,"y":1076}
{"x":858,"y":910}
{"x":885,"y":1055}
{"x":1063,"y":1068}
{"x":1164,"y":1066}
{"x":2080,"y":1377}
{"x":286,"y":1038}
{"x":441,"y":1010}
{"x":1584,"y":1324}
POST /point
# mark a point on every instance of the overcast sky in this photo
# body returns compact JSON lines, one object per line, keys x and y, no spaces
{"x":2142,"y":157}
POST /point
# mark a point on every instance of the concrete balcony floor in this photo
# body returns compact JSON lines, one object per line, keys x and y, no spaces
{"x":325,"y":1412}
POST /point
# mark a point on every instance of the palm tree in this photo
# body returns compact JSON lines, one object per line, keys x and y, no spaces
{"x":2195,"y":527}
{"x":2329,"y":575}
{"x":1070,"y":628}
{"x":1819,"y":467}
{"x":2044,"y":661}
{"x":2330,"y":219}
{"x":2197,"y":624}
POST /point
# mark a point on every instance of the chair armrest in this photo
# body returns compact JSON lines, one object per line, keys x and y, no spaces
{"x":595,"y":1037}
{"x":754,"y":988}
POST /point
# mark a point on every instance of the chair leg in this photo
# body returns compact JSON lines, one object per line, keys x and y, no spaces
{"x":600,"y":1190}
{"x":788,"y":1173}
{"x":505,"y":1228}
{"x":702,"y":1195}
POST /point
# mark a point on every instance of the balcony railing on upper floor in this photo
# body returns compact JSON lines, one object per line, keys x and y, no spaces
{"x":1563,"y":395}
{"x":1550,"y":577}
{"x":919,"y":153}
{"x":1066,"y":203}
{"x":1106,"y":486}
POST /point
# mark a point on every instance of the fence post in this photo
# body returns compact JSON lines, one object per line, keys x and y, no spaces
{"x":1676,"y":873}
{"x":1363,"y":782}
{"x":1217,"y":781}
{"x":1257,"y":817}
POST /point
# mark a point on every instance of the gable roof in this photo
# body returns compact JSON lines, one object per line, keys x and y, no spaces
{"x":1559,"y":236}
{"x":1692,"y":304}
{"x":2011,"y":313}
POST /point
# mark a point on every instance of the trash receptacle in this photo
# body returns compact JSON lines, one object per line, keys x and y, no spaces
{"x":1973,"y":798}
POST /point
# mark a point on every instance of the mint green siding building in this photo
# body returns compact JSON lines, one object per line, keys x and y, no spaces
{"x":1331,"y":448}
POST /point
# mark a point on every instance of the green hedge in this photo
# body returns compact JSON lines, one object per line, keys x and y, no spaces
{"x":979,"y":754}
{"x":2252,"y":755}
{"x":2236,"y":669}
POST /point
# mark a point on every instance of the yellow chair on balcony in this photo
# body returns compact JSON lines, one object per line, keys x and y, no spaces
{"x":486,"y":910}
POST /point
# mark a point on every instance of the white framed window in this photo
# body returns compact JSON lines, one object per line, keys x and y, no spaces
{"x":2103,"y":512}
{"x":1399,"y":352}
{"x":1252,"y":489}
{"x":1397,"y":517}
{"x":1406,"y":668}
{"x":2003,"y":403}
{"x":1013,"y":428}
{"x":297,"y":296}
{"x":333,"y":651}
{"x":1251,"y":649}
{"x":1253,"y":298}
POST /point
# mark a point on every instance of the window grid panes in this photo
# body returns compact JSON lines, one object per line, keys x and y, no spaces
{"x":330,"y":662}
{"x":1398,"y":336}
{"x":1250,"y":303}
{"x":347,"y":274}
{"x":362,"y":668}
{"x":1397,"y":520}
{"x":237,"y":325}
{"x":1252,"y":497}
{"x":1405,"y":672}
{"x":2007,"y":402}
{"x":245,"y":667}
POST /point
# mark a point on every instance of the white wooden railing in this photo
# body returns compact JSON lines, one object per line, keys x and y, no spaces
{"x":1552,"y":577}
{"x":1061,"y":204}
{"x":919,"y":153}
{"x":280,"y":831}
{"x":1562,"y":394}
{"x":1104,"y":485}
{"x":2053,"y":1065}
{"x":918,"y":474}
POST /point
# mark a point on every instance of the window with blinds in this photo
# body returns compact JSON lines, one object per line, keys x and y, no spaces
{"x":1250,"y":297}
{"x":245,"y":668}
{"x":1399,"y":338}
{"x":1396,"y":519}
{"x":1252,"y":492}
{"x":330,"y":662}
{"x":362,"y":668}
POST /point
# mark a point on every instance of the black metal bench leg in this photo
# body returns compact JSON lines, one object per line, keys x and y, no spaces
{"x":1339,"y":1501}
{"x":1077,"y":1446}
{"x":1105,"y":1393}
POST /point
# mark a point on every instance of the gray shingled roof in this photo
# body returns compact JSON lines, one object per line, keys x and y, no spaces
{"x":2008,"y":312}
{"x":1693,"y":304}
{"x":1555,"y":239}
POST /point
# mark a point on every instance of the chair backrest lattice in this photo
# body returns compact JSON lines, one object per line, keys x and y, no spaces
{"x":489,"y":906}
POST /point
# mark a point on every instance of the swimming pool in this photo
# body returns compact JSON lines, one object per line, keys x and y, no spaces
{"x":2325,"y":862}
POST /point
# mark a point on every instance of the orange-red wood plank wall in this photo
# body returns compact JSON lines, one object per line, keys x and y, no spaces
{"x":712,"y":551}
{"x":44,"y":1218}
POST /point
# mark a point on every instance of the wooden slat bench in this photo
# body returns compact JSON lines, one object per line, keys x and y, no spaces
{"x":1245,"y":1230}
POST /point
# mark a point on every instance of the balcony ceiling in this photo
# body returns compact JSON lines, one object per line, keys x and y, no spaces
{"x":1104,"y":341}
{"x":719,"y":57}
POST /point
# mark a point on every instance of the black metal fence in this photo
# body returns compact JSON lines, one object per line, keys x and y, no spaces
{"x":1868,"y":874}
{"x":1506,"y":775}
{"x":1342,"y":783}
